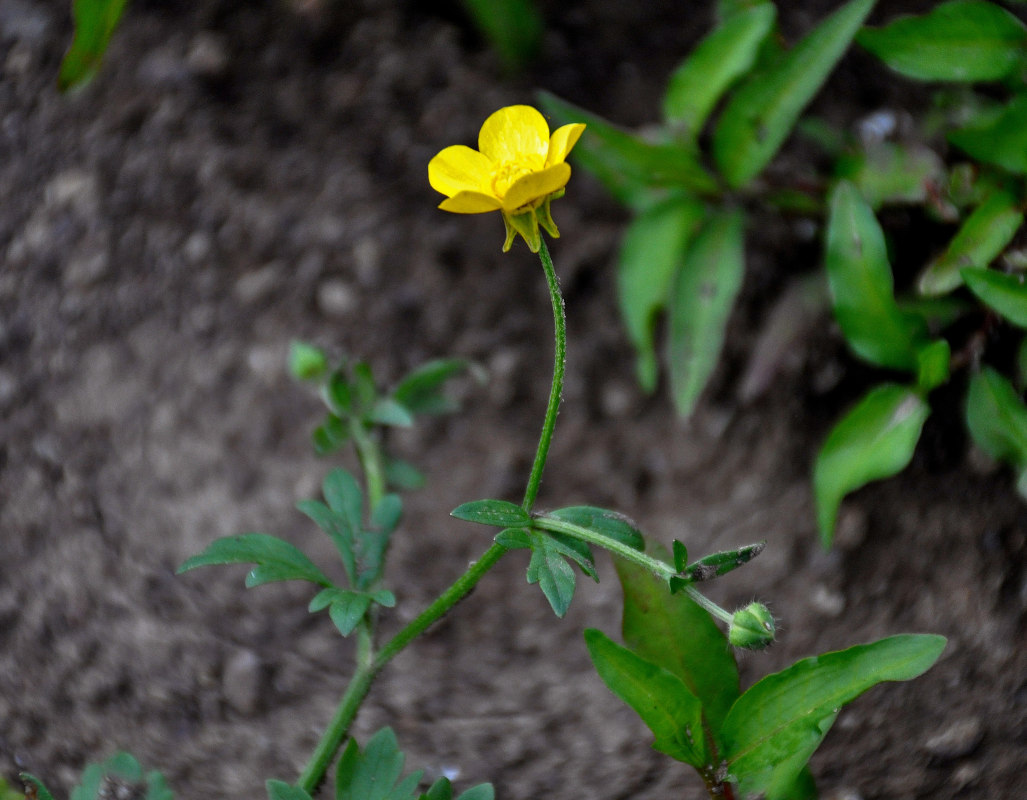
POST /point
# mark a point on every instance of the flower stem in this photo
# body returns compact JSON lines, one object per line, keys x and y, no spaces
{"x":556,"y":391}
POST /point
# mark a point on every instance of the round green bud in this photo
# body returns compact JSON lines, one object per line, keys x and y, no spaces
{"x":752,"y":627}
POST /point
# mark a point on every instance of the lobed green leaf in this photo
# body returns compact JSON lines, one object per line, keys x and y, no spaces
{"x":979,"y":241}
{"x":775,"y":726}
{"x":500,"y":513}
{"x":651,"y":254}
{"x":874,"y":440}
{"x":763,"y":111}
{"x":961,"y":40}
{"x":999,"y":139}
{"x":1006,"y":294}
{"x":861,"y":284}
{"x":275,"y":559}
{"x":701,"y":301}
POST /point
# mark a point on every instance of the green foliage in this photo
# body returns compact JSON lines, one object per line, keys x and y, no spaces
{"x":997,"y":418}
{"x":275,"y":559}
{"x":115,"y":776}
{"x":998,"y":138}
{"x":514,"y":28}
{"x":1005,"y":294}
{"x":95,"y":22}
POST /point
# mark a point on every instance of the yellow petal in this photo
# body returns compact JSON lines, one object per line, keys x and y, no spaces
{"x":563,"y":139}
{"x":514,"y":132}
{"x":536,"y":186}
{"x":459,"y":168}
{"x":469,"y":202}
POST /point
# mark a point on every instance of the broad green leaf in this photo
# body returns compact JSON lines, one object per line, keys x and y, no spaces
{"x":387,"y":411}
{"x":275,"y":559}
{"x":714,"y":65}
{"x":1006,"y":294}
{"x":997,"y":419}
{"x":701,"y":301}
{"x":874,"y":440}
{"x":890,"y":172}
{"x":962,"y":40}
{"x":306,"y":362}
{"x":651,"y":253}
{"x":934,"y":366}
{"x":717,"y":564}
{"x":627,"y":165}
{"x":552,"y":573}
{"x":861,"y":284}
{"x":95,"y":22}
{"x":600,"y":520}
{"x":280,"y":790}
{"x":36,"y":785}
{"x":420,"y":392}
{"x":782,"y":719}
{"x":514,"y":28}
{"x":763,"y":111}
{"x":999,"y":139}
{"x":659,"y":697}
{"x":676,"y":634}
{"x":979,"y":241}
{"x":493,"y":512}
{"x":374,"y":773}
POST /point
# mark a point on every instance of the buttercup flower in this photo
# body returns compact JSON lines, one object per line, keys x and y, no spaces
{"x":517,"y":169}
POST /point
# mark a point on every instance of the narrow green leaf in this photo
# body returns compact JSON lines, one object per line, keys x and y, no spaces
{"x":701,"y":301}
{"x":387,"y":411}
{"x":600,"y":520}
{"x":676,"y":634}
{"x":627,"y":165}
{"x":997,"y":419}
{"x":280,"y":790}
{"x":306,"y":362}
{"x":763,"y":111}
{"x":343,"y":495}
{"x":979,"y":241}
{"x":680,"y":556}
{"x":386,"y":515}
{"x":552,"y":573}
{"x":717,"y":564}
{"x":659,"y":697}
{"x":874,"y":440}
{"x":783,"y":718}
{"x":651,"y":253}
{"x":95,"y":22}
{"x":275,"y":559}
{"x":1000,"y":139}
{"x":962,"y":40}
{"x":933,"y":370}
{"x":861,"y":284}
{"x":576,"y":550}
{"x":493,"y":512}
{"x":713,"y":66}
{"x":338,"y":529}
{"x":420,"y":391}
{"x":31,"y":781}
{"x":1006,"y":294}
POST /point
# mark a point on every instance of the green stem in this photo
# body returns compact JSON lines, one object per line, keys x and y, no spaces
{"x":371,"y":461}
{"x":556,"y":391}
{"x":705,"y":602}
{"x":659,"y":568}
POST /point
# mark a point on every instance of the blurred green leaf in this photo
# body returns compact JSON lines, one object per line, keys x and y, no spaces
{"x":725,"y":9}
{"x":874,"y":440}
{"x":330,"y":435}
{"x":338,"y":393}
{"x":125,"y":768}
{"x":95,"y":22}
{"x":713,"y":66}
{"x":280,"y":790}
{"x":345,"y":607}
{"x":493,"y":512}
{"x":275,"y":559}
{"x":861,"y":284}
{"x":763,"y":111}
{"x":933,"y":369}
{"x":374,"y":773}
{"x":999,"y":139}
{"x":701,"y":302}
{"x":659,"y":697}
{"x":1006,"y":294}
{"x":780,"y":721}
{"x":997,"y":419}
{"x":651,"y":253}
{"x":549,"y":569}
{"x":306,"y":362}
{"x":420,"y":391}
{"x":889,"y":172}
{"x":386,"y":411}
{"x":674,"y":633}
{"x":717,"y":564}
{"x":962,"y":40}
{"x":979,"y":241}
{"x":400,"y":474}
{"x":628,"y":166}
{"x":442,"y":789}
{"x":609,"y":523}
{"x":513,"y":27}
{"x":30,"y":781}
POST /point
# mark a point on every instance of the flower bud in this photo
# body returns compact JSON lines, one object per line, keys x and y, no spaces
{"x":752,"y":627}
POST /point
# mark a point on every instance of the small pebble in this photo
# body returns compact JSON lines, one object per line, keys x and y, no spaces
{"x":957,"y":740}
{"x":242,"y":681}
{"x":336,"y":298}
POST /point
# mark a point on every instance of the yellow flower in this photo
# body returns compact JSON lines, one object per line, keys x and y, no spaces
{"x":517,"y":169}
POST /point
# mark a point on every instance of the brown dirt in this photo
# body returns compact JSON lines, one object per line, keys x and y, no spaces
{"x":242,"y":174}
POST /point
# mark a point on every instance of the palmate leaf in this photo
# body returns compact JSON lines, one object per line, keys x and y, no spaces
{"x":701,"y":301}
{"x":997,"y":418}
{"x":777,"y":724}
{"x":374,"y":773}
{"x":1006,"y":294}
{"x":763,"y":111}
{"x":874,"y":440}
{"x":275,"y":559}
{"x":659,"y":697}
{"x":962,"y":40}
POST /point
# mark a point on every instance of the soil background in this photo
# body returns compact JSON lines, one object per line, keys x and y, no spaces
{"x":242,"y":174}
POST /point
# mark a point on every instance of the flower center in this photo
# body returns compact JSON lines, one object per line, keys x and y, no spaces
{"x":507,"y":173}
